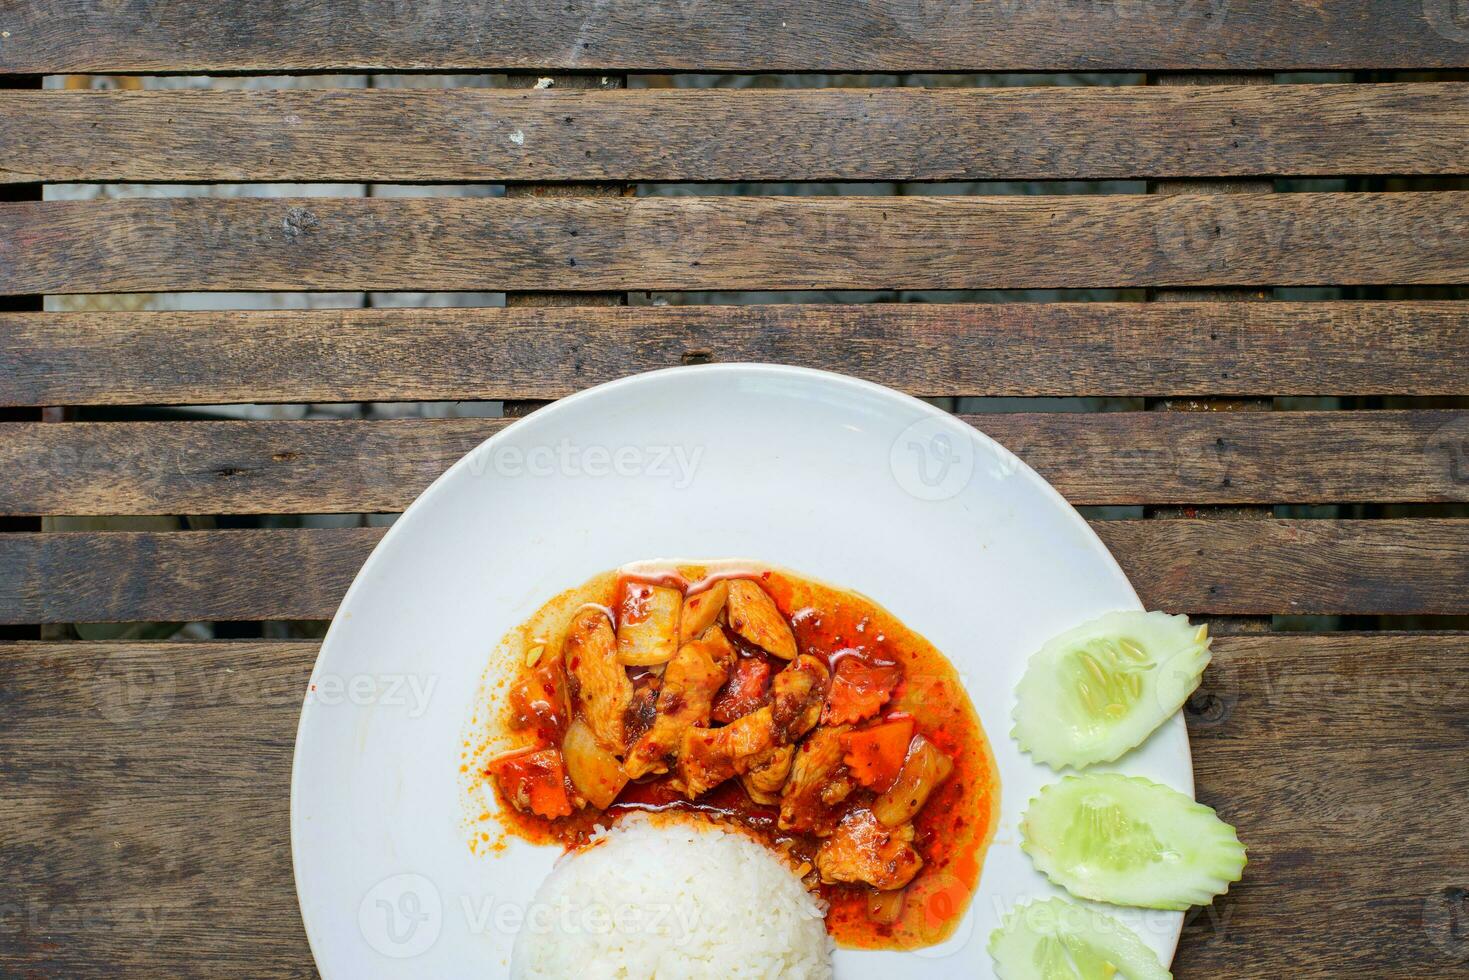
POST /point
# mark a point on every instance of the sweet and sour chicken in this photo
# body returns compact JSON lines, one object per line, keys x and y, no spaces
{"x":703,"y":692}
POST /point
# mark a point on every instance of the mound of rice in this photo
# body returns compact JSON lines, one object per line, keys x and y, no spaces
{"x":672,"y":899}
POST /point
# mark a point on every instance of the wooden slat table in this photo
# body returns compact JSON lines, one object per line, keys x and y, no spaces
{"x":144,"y":785}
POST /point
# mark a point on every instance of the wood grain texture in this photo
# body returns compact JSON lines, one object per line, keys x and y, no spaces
{"x":1339,"y":758}
{"x":769,"y":243}
{"x":1185,"y":83}
{"x":52,"y":36}
{"x":1257,"y":567}
{"x":20,"y":192}
{"x":725,"y":134}
{"x":1193,"y":566}
{"x":145,"y":793}
{"x":354,"y":466}
{"x":204,"y":575}
{"x":519,"y":408}
{"x":1414,"y":348}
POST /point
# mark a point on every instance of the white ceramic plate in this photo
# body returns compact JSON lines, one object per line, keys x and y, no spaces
{"x":834,"y":478}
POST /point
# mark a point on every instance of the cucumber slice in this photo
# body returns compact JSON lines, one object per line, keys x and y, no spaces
{"x":1129,"y":841}
{"x":1059,"y":940}
{"x":1098,"y":690}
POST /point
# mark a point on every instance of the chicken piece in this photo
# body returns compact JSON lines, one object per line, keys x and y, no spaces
{"x":703,"y":761}
{"x":709,"y":756}
{"x":924,"y":768}
{"x":753,"y":615}
{"x":535,"y":782}
{"x":690,"y":681}
{"x":600,"y":689}
{"x":595,"y":772}
{"x":765,"y":778}
{"x":859,"y":689}
{"x":647,"y":624}
{"x":750,"y":740}
{"x":819,"y":783}
{"x":701,"y":610}
{"x":748,"y":690}
{"x":640,"y":714}
{"x":797,"y":694}
{"x":864,"y":851}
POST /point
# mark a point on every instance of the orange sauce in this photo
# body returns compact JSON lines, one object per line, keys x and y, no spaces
{"x":952,"y":830}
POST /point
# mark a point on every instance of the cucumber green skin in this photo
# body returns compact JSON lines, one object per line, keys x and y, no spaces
{"x":1206,"y":853}
{"x":1052,"y":725}
{"x":1014,"y":946}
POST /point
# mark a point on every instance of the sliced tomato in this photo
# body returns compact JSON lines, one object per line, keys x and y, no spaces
{"x":875,"y":755}
{"x":748,"y":690}
{"x":534,"y":781}
{"x":859,"y":689}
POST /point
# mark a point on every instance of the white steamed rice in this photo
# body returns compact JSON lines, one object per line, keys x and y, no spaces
{"x":670,"y":900}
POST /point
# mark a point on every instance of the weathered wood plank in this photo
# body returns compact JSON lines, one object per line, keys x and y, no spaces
{"x":1177,"y":82}
{"x":724,"y":134}
{"x":772,"y":243}
{"x":352,"y":466}
{"x":1193,"y":566}
{"x":1413,"y":348}
{"x":1266,"y":567}
{"x":114,"y":853}
{"x":19,"y":192}
{"x":519,"y":408}
{"x":1335,"y":757}
{"x":133,"y":576}
{"x":145,"y":792}
{"x":52,"y":36}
